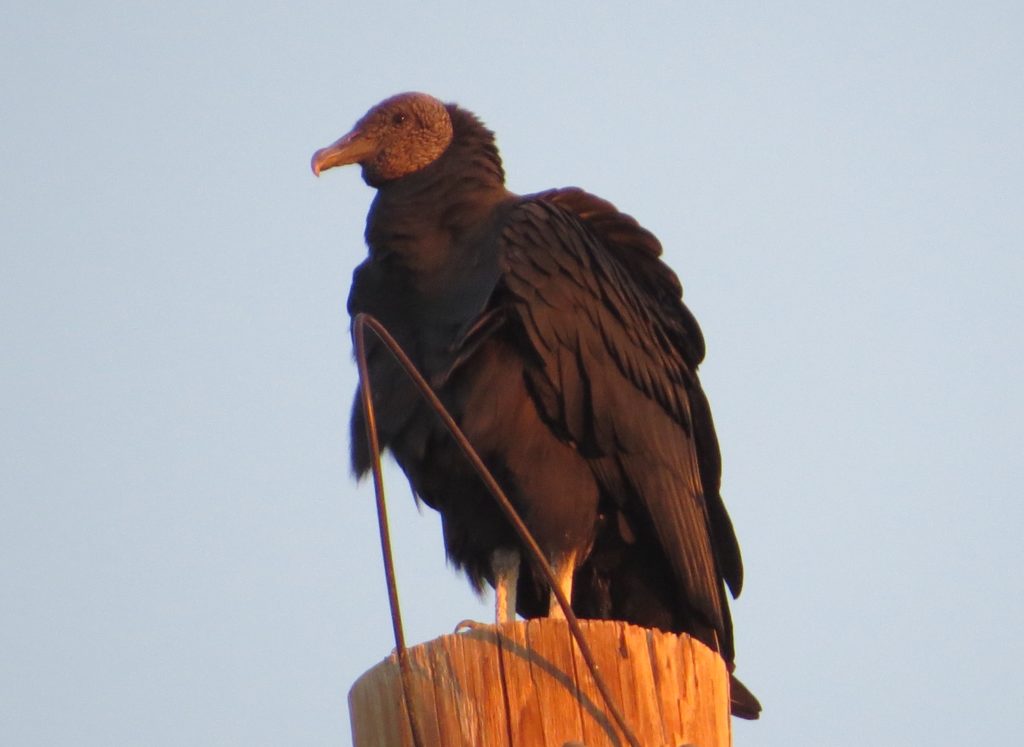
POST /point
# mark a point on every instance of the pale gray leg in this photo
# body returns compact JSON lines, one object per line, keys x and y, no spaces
{"x":563,"y":575}
{"x":505,"y":565}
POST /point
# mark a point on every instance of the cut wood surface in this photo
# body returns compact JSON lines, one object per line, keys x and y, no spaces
{"x":524,"y":684}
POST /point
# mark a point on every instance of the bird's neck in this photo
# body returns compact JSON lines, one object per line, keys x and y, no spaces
{"x":433,"y":235}
{"x":436,"y":218}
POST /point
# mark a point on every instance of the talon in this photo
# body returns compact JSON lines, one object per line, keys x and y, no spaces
{"x":468,"y":625}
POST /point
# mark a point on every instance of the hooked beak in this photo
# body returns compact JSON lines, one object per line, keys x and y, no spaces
{"x":352,"y":148}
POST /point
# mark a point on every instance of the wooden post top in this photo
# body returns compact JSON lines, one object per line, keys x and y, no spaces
{"x":524,"y":684}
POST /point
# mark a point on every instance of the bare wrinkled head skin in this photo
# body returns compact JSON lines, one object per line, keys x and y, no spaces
{"x":398,"y":136}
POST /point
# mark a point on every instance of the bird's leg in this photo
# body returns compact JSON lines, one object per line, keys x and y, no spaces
{"x":505,"y":565}
{"x":564,"y":570}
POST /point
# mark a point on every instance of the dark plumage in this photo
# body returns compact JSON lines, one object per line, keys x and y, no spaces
{"x":559,"y":342}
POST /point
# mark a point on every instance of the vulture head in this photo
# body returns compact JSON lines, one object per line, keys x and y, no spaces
{"x":398,"y":136}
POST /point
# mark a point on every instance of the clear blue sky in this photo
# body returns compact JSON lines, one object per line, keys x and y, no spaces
{"x":184,"y":558}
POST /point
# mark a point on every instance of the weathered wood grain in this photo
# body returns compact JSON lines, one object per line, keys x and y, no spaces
{"x":524,"y":684}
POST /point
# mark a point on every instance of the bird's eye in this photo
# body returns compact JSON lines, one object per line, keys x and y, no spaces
{"x":398,"y":118}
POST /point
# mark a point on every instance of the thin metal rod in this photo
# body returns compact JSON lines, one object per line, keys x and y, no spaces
{"x":370,"y":418}
{"x":365,"y":320}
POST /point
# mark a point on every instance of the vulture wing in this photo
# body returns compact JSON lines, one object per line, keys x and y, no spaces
{"x":640,"y":251}
{"x":611,"y":356}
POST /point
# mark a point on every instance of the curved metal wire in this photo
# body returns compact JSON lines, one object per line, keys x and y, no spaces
{"x":361,"y":322}
{"x":370,"y":418}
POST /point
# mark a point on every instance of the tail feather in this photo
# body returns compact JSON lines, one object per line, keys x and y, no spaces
{"x":744,"y":703}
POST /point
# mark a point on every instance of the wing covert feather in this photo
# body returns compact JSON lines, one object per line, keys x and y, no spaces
{"x":609,"y":377}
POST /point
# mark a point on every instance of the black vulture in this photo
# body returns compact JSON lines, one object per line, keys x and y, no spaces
{"x":559,"y":342}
